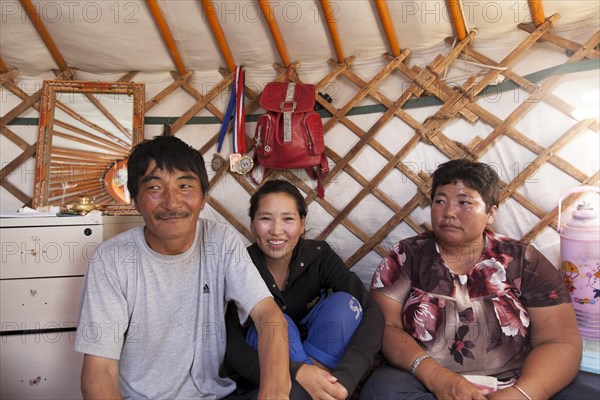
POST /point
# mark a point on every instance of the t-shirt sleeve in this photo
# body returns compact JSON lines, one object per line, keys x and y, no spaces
{"x":542,"y":284}
{"x":243,"y":283}
{"x":103,"y":316}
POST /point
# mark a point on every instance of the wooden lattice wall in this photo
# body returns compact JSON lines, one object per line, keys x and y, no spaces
{"x":426,"y":80}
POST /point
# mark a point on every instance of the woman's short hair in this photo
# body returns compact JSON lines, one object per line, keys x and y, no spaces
{"x":169,"y":153}
{"x":476,"y":175}
{"x":277,"y":186}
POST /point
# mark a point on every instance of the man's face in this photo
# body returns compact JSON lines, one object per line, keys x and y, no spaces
{"x":170,"y":203}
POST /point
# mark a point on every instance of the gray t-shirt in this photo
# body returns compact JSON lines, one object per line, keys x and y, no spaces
{"x":162,"y":316}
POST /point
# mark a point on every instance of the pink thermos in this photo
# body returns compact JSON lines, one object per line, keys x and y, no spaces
{"x":580,"y":262}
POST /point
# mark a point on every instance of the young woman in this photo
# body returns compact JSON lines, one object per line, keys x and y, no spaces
{"x":334,"y":326}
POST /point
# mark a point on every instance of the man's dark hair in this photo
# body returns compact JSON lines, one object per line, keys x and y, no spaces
{"x":476,"y":175}
{"x":277,"y":186}
{"x":169,"y":153}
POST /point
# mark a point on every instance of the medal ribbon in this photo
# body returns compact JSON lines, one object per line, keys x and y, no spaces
{"x":239,"y":128}
{"x":235,"y":109}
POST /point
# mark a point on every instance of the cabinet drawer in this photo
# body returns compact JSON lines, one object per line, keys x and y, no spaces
{"x":45,"y":303}
{"x":47,"y":251}
{"x":40,"y":366}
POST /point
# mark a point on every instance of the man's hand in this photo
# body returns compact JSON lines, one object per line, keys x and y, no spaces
{"x":273,"y":350}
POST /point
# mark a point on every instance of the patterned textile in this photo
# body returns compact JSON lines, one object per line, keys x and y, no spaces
{"x":475,"y":323}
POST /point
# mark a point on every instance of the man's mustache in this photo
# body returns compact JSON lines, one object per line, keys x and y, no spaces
{"x":172,"y":214}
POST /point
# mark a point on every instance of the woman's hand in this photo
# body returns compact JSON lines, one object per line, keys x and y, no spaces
{"x":446,"y":384}
{"x":320,"y":384}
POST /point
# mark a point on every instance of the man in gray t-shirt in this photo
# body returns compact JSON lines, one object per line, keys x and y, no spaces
{"x":152,"y":310}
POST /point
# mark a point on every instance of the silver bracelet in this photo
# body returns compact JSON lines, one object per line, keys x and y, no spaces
{"x":522,"y":392}
{"x":415,"y":364}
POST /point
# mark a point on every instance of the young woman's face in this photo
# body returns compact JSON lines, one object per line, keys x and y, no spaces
{"x":277,"y":226}
{"x":459,"y":214}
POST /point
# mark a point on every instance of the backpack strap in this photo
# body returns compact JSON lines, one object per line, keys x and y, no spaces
{"x":288,"y":106}
{"x":252,"y":174}
{"x":317,"y":173}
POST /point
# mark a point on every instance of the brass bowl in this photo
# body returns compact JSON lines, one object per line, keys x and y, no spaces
{"x":85,"y":205}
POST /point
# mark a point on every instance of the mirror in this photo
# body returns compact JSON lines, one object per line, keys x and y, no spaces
{"x":85,"y":133}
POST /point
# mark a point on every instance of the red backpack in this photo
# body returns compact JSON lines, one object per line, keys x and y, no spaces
{"x":290,"y":134}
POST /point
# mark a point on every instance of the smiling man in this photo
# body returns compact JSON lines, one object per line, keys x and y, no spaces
{"x":152,"y":310}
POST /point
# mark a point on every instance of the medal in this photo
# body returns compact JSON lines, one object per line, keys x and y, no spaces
{"x":239,"y":162}
{"x":234,"y":159}
{"x":217,"y":163}
{"x":244,"y":165}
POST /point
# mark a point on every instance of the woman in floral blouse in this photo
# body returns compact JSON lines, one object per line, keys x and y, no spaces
{"x":463,"y":304}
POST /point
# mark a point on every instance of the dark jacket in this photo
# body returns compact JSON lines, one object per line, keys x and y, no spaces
{"x":314,"y":266}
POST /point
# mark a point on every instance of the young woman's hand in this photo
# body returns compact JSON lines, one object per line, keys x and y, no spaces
{"x":320,"y":384}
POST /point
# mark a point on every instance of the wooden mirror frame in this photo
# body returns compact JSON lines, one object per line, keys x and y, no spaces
{"x":92,"y":149}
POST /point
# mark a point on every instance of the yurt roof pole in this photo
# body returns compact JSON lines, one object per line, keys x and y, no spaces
{"x":165,"y":32}
{"x":44,"y":35}
{"x":3,"y":68}
{"x":457,"y":16}
{"x":270,"y":18}
{"x":211,"y":14}
{"x":537,"y":12}
{"x":328,"y":11}
{"x":388,"y":27}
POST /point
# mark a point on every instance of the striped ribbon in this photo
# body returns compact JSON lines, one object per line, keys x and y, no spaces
{"x":235,"y":109}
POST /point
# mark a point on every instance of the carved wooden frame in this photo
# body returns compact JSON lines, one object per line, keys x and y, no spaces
{"x":49,"y":158}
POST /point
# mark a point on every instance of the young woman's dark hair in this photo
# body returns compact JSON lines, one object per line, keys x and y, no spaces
{"x":169,"y":153}
{"x":476,"y":175}
{"x":277,"y":186}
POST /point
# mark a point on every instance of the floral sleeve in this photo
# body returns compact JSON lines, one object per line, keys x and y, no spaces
{"x":541,"y":284}
{"x":392,"y":277}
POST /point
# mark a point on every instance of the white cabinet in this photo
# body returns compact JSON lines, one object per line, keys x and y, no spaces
{"x":44,"y":260}
{"x":40,"y":365}
{"x":48,"y":250}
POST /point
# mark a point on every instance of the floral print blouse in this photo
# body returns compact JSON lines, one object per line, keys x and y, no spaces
{"x":475,"y":323}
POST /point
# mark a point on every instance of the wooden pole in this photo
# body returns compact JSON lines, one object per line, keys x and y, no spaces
{"x":537,"y":12}
{"x":92,"y":143}
{"x":215,"y":26}
{"x":388,"y":27}
{"x":36,"y":20}
{"x":3,"y":68}
{"x":165,"y":33}
{"x":167,"y":91}
{"x":457,"y":19}
{"x":333,"y":31}
{"x":107,"y":114}
{"x":270,"y":18}
{"x":118,"y":141}
{"x":85,"y":156}
{"x":116,"y":146}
